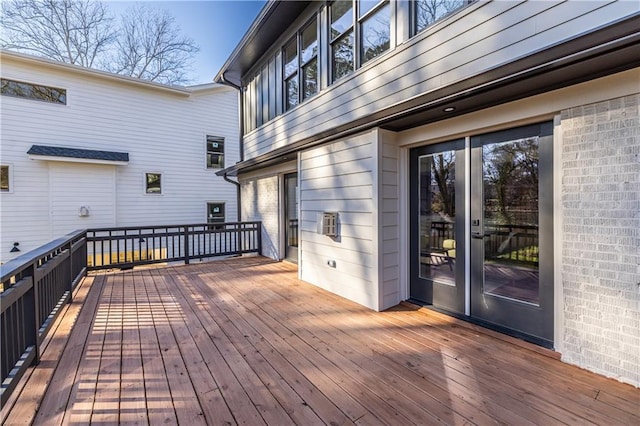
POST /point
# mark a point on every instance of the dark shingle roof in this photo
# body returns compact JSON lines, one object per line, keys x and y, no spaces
{"x":57,"y":151}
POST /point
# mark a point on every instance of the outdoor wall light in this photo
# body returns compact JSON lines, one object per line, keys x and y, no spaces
{"x":15,"y":248}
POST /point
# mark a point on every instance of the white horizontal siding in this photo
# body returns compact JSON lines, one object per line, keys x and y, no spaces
{"x":73,"y":185}
{"x":327,"y":176}
{"x":476,"y":39}
{"x":161,"y":131}
{"x":389,"y":230}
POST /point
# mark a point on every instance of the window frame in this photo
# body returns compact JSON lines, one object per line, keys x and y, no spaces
{"x":215,"y":224}
{"x":413,"y":13}
{"x":145,"y":186}
{"x":355,"y":30}
{"x":300,"y":69}
{"x":219,"y":139}
{"x":62,"y":95}
{"x":10,"y":184}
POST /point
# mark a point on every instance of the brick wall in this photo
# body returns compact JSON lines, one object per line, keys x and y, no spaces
{"x":601,"y":237}
{"x":260,"y":203}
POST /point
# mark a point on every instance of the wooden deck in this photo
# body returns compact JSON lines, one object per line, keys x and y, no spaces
{"x":242,"y":341}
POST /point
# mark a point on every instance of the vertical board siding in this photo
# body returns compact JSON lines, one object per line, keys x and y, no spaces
{"x":389,"y":194}
{"x":500,"y":32}
{"x":162,"y":132}
{"x":339,"y":178}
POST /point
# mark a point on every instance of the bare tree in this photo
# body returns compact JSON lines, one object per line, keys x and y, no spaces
{"x":151,"y":47}
{"x":76,"y":32}
{"x":147,"y":44}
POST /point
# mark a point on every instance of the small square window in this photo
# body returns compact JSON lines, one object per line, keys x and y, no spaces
{"x":215,"y":152}
{"x":153,"y":183}
{"x":4,"y":179}
{"x":215,"y":214}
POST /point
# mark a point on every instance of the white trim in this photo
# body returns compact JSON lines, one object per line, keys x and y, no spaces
{"x":77,"y":160}
{"x":376,"y":241}
{"x":467,"y":226}
{"x":558,"y":294}
{"x":404,"y":200}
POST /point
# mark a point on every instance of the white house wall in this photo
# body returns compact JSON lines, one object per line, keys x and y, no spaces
{"x":75,"y":185}
{"x":341,"y":177}
{"x":162,"y":131}
{"x":501,"y":31}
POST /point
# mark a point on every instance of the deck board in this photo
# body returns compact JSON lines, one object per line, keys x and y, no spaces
{"x":243,"y":341}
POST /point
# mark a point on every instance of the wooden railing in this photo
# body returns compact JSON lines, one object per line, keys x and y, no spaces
{"x":35,"y":286}
{"x":132,"y":246}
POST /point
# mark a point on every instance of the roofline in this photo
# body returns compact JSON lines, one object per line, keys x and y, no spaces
{"x":265,"y":30}
{"x":248,"y":35}
{"x":197,"y":88}
{"x":50,"y":63}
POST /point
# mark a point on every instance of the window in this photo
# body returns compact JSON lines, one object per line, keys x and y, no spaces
{"x":373,"y":27}
{"x":374,"y":30}
{"x":300,"y":71}
{"x":153,"y":183}
{"x":291,"y":74}
{"x":215,"y":213}
{"x":33,"y":91}
{"x":426,"y":12}
{"x":4,"y":179}
{"x":342,"y":38}
{"x":215,"y":152}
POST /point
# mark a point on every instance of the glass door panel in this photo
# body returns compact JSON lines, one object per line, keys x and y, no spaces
{"x":437,"y":225}
{"x":511,"y":253}
{"x":437,"y":217}
{"x":510,"y":201}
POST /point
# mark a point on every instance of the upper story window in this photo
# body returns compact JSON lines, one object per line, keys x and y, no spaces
{"x":300,"y":59}
{"x":370,"y":20}
{"x":215,"y":152}
{"x":375,"y":29}
{"x":426,"y":12}
{"x":33,"y":91}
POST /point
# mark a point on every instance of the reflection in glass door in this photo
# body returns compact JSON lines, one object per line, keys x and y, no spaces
{"x":291,"y":216}
{"x":437,"y":225}
{"x":512,"y":230}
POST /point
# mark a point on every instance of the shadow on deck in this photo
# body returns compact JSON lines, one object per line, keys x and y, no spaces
{"x":242,"y":341}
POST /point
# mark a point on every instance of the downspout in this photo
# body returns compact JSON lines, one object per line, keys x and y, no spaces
{"x":240,"y":113}
{"x":237,"y":184}
{"x":241,"y":147}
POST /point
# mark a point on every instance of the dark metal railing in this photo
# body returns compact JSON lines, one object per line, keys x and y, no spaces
{"x":35,"y":286}
{"x":132,"y":246}
{"x":513,"y":242}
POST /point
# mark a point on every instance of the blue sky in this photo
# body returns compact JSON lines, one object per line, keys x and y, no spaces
{"x":216,"y":26}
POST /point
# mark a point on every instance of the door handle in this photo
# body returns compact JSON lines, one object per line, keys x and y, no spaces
{"x":478,"y":235}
